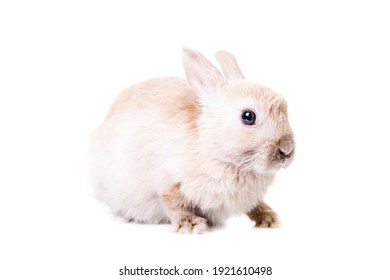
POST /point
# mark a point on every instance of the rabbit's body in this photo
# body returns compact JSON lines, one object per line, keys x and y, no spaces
{"x":168,"y":152}
{"x":139,"y":148}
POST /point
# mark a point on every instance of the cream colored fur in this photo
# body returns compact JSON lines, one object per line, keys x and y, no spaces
{"x":166,"y":132}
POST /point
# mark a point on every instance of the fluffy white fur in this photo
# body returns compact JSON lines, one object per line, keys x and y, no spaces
{"x":168,"y":131}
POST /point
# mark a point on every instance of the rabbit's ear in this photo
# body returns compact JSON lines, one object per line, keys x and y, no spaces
{"x":200,"y":73}
{"x":229,"y":65}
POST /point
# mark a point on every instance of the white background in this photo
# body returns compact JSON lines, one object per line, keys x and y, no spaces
{"x":62,"y":64}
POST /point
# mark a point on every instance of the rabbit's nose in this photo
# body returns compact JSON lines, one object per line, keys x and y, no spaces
{"x":286,"y":152}
{"x":286,"y":146}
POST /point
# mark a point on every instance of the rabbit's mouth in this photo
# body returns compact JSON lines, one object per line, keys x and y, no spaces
{"x":274,"y":166}
{"x":281,"y":152}
{"x":281,"y":158}
{"x":271,"y":157}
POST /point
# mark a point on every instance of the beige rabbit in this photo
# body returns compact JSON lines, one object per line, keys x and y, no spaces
{"x":192,"y":152}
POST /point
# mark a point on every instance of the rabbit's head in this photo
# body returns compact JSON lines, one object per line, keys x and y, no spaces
{"x":240,"y":122}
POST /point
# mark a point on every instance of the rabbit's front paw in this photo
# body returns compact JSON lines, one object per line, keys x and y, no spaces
{"x":191,"y":224}
{"x":268,"y":219}
{"x":264,"y":216}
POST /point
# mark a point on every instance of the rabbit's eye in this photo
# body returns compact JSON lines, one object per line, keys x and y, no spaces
{"x":248,"y":117}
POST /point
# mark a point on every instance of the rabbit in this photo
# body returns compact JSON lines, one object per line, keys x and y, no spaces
{"x":192,"y":152}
